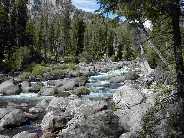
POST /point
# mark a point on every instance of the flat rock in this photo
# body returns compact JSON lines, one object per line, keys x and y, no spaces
{"x":26,"y":134}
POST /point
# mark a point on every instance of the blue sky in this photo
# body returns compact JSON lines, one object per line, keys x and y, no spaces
{"x":86,"y":5}
{"x":90,"y":6}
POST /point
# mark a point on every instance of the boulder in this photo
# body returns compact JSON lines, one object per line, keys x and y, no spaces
{"x":131,"y":105}
{"x":4,"y":111}
{"x":67,"y":84}
{"x":53,"y":121}
{"x":3,"y":136}
{"x":26,"y":134}
{"x":9,"y":88}
{"x":117,"y":79}
{"x":47,"y":91}
{"x":58,"y":104}
{"x":102,"y":124}
{"x":13,"y":118}
{"x":25,"y":86}
{"x":131,"y":75}
{"x":40,"y":107}
{"x":127,"y":96}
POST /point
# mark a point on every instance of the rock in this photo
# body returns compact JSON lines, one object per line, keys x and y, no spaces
{"x":68,"y":84}
{"x":25,"y":86}
{"x":58,"y":104}
{"x":26,"y":134}
{"x":3,"y":136}
{"x":47,"y":91}
{"x":131,"y":75}
{"x":9,"y":88}
{"x":53,"y":121}
{"x":81,"y":91}
{"x":4,"y":111}
{"x":99,"y":125}
{"x":127,"y":96}
{"x":117,"y":79}
{"x":13,"y":118}
{"x":35,"y":87}
{"x":56,"y":83}
{"x":129,"y":135}
{"x":131,"y":106}
{"x":40,"y":107}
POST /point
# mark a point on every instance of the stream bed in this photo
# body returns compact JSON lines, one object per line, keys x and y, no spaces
{"x":100,"y":85}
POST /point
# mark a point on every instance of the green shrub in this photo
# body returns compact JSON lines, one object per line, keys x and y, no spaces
{"x":25,"y":75}
{"x":38,"y":69}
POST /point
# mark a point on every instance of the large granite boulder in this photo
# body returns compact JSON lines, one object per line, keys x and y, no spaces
{"x":103,"y":124}
{"x":131,"y":105}
{"x":11,"y":117}
{"x":9,"y":88}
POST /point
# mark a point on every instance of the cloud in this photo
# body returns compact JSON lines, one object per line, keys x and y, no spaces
{"x":86,"y":5}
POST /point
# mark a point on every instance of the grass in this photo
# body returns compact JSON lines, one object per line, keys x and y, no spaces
{"x":43,"y":70}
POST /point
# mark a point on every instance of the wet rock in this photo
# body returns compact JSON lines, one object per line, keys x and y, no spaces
{"x":13,"y":118}
{"x":3,"y":136}
{"x":26,"y":134}
{"x":9,"y":88}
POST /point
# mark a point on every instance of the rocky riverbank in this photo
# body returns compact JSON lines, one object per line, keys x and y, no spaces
{"x":105,"y":100}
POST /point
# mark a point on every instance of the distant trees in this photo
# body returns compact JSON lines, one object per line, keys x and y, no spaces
{"x":51,"y":36}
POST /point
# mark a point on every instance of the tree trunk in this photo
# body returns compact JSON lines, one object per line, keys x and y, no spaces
{"x":178,"y":52}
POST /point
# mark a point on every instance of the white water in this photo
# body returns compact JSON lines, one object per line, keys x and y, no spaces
{"x":100,"y":85}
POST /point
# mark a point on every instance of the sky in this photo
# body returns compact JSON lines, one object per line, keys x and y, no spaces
{"x":86,"y":5}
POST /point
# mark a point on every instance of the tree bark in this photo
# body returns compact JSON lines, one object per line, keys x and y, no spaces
{"x":178,"y":52}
